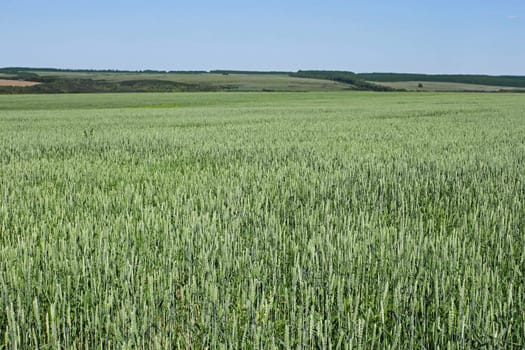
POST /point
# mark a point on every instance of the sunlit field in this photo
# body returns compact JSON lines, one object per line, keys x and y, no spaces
{"x":338,"y":220}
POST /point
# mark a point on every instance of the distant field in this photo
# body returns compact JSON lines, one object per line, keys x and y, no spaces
{"x":226,"y":220}
{"x":439,"y":86}
{"x":8,"y":82}
{"x":236,"y":82}
{"x":79,"y":81}
{"x":477,"y":79}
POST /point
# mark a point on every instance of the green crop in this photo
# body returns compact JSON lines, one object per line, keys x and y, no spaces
{"x":262,"y":220}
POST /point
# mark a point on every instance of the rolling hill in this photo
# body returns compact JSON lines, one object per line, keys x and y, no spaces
{"x":48,"y":80}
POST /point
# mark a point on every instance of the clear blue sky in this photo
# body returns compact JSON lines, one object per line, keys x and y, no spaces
{"x":427,"y":36}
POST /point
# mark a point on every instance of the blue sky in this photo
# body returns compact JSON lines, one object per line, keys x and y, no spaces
{"x":427,"y":36}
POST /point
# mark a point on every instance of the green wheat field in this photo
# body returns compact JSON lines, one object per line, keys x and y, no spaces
{"x":328,"y":220}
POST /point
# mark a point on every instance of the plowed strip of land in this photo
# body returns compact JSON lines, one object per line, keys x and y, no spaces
{"x":8,"y":82}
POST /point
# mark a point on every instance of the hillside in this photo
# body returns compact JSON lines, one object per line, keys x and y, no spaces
{"x":73,"y":81}
{"x":41,"y":80}
{"x":436,"y":86}
{"x":487,"y":80}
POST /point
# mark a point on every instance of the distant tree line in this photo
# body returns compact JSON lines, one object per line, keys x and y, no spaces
{"x":504,"y":80}
{"x":218,"y":71}
{"x":20,"y":70}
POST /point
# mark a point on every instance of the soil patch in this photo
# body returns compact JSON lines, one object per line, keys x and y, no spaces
{"x":8,"y":82}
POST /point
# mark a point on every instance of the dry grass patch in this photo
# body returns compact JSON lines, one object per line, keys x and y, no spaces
{"x":9,"y":82}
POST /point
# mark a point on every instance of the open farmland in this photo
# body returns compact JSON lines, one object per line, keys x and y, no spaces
{"x":50,"y":80}
{"x":262,"y":220}
{"x":445,"y":86}
{"x":229,"y":82}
